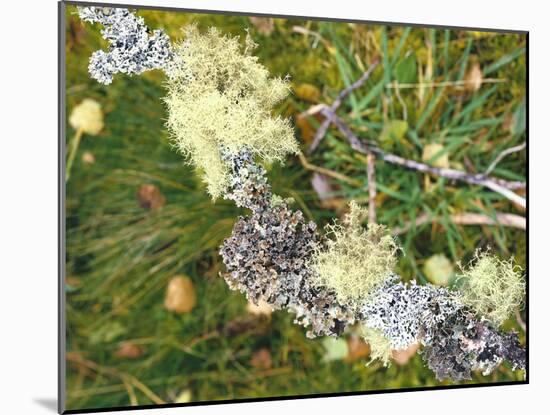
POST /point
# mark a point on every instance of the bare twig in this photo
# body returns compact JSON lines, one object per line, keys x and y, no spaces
{"x":307,"y":165}
{"x":357,"y":84}
{"x":307,"y":32}
{"x":503,"y":154}
{"x":319,"y":135}
{"x":504,"y":219}
{"x":520,"y":321}
{"x":503,"y":187}
{"x":322,"y":130}
{"x":507,"y":193}
{"x":468,"y":218}
{"x":372,"y":187}
{"x":460,"y":84}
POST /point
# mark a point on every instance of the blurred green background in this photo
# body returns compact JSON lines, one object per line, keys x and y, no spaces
{"x":137,"y":216}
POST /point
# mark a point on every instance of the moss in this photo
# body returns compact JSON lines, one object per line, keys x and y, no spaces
{"x":494,"y":288}
{"x":220,"y":99}
{"x":380,"y":347}
{"x":354,"y":261}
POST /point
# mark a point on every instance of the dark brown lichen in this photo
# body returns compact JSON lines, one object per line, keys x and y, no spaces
{"x":268,"y":253}
{"x":461,"y":344}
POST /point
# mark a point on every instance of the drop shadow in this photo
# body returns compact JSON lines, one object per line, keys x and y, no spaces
{"x":48,"y":403}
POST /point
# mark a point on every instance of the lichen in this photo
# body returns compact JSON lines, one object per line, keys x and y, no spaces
{"x":268,"y":253}
{"x":461,"y":343}
{"x":133,"y":48}
{"x":219,"y":115}
{"x":220,"y":99}
{"x":408,"y":313}
{"x":380,"y":346}
{"x":494,"y":288}
{"x":354,"y":261}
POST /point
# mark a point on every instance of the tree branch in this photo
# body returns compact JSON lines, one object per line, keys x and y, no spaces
{"x":322,"y":130}
{"x":503,"y":154}
{"x":469,"y":218}
{"x":372,"y":187}
{"x":503,"y":187}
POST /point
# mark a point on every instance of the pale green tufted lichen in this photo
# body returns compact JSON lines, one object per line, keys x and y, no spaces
{"x":354,"y":261}
{"x":220,"y":99}
{"x":380,"y":346}
{"x":494,"y":288}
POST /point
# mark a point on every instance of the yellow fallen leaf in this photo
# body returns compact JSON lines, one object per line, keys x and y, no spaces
{"x":393,"y":132}
{"x":335,"y":349}
{"x":180,"y":295}
{"x":184,"y":397}
{"x":474,"y":78}
{"x":438,"y":269}
{"x":430,"y":151}
{"x":87,"y":116}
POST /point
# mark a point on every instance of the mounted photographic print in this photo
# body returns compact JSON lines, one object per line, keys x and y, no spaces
{"x":258,"y":207}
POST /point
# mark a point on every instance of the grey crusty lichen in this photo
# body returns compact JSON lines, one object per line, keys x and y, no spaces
{"x":274,"y":254}
{"x":132,"y":48}
{"x":455,"y":342}
{"x":408,"y":313}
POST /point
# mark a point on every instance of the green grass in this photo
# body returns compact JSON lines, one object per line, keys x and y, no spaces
{"x":120,"y":256}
